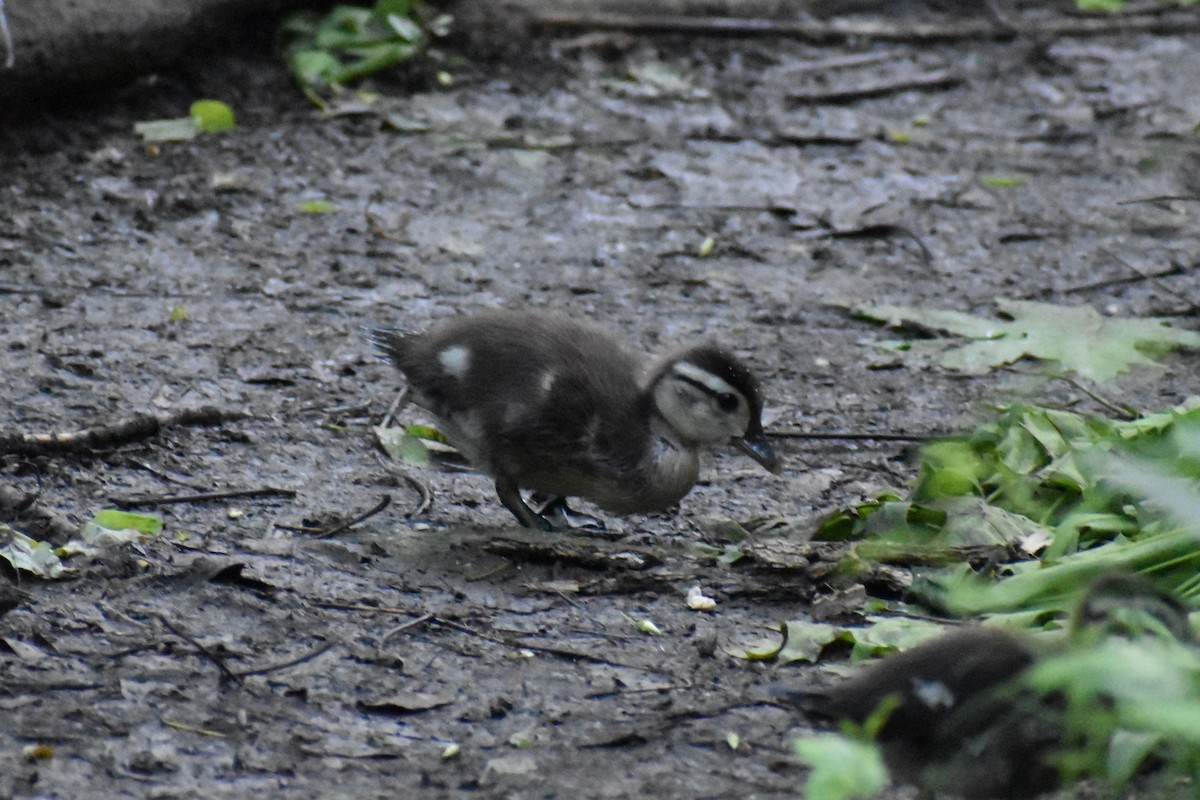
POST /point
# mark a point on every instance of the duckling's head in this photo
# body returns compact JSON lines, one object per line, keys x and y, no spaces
{"x":1128,"y":604}
{"x":706,"y":395}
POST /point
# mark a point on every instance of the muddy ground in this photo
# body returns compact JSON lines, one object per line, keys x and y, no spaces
{"x":583,"y":178}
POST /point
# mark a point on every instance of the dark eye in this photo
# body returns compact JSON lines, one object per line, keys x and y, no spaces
{"x":728,"y":402}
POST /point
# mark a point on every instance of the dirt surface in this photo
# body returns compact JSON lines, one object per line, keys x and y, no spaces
{"x":232,"y":657}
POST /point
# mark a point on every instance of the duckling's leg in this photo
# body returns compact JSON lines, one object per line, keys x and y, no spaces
{"x":510,"y":496}
{"x":562,"y":517}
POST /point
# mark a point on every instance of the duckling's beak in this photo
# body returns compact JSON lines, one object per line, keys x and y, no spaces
{"x":755,"y":445}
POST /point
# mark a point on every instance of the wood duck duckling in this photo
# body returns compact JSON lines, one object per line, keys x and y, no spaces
{"x":964,"y":720}
{"x":545,"y":403}
{"x":960,"y":724}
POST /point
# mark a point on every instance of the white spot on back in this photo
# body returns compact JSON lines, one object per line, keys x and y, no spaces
{"x":548,"y":378}
{"x":933,"y":693}
{"x":456,"y":360}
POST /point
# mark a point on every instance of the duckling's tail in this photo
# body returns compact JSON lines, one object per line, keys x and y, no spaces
{"x":390,"y":344}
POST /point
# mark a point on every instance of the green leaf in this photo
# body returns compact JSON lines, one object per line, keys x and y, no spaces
{"x":428,"y":433}
{"x":403,"y":446}
{"x":29,"y":555}
{"x":842,"y":768}
{"x":116,"y":520}
{"x":890,"y":634}
{"x":167,"y":130}
{"x":1003,"y":181}
{"x":212,"y":116}
{"x":316,"y":206}
{"x":804,"y":640}
{"x":1076,"y":337}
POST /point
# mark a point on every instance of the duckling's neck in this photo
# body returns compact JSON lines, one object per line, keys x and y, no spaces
{"x":671,"y":467}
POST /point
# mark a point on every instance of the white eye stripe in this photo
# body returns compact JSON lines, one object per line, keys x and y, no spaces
{"x":692,"y":373}
{"x":456,"y":360}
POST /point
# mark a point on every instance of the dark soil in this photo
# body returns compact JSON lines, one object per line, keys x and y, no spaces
{"x":138,"y":280}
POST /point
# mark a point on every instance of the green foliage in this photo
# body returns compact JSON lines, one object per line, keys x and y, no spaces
{"x":212,"y":116}
{"x":1040,"y":481}
{"x":403,"y":446}
{"x":115,"y":520}
{"x":350,"y":42}
{"x":316,"y":205}
{"x":1003,"y":181}
{"x":805,"y":640}
{"x":842,"y":767}
{"x":1076,"y":338}
{"x":1127,"y":702}
{"x":29,"y":555}
{"x":204,"y":116}
{"x":1069,"y":498}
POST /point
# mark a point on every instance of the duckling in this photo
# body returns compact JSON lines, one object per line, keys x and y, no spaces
{"x":542,"y":402}
{"x":964,"y":721}
{"x":960,"y":723}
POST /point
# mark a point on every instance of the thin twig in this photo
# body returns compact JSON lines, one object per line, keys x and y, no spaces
{"x":1123,"y":411}
{"x":940,"y":79}
{"x":360,"y":607}
{"x":422,"y":488}
{"x":824,"y":31}
{"x":548,"y":649}
{"x":412,"y":623}
{"x":397,"y":405}
{"x":383,"y":503}
{"x":816,"y":31}
{"x":825,"y":65}
{"x":1162,"y":198}
{"x":854,"y":437}
{"x":124,"y":431}
{"x":133,"y":462}
{"x":226,"y":672}
{"x":883,"y":229}
{"x":325,"y":648}
{"x":1111,"y":282}
{"x":203,"y":497}
{"x":1191,"y":304}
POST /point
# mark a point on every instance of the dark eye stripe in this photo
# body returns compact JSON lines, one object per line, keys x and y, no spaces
{"x":726,"y":400}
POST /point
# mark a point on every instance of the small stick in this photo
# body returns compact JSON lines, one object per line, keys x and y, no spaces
{"x":395,"y":408}
{"x":383,"y":503}
{"x":809,"y":30}
{"x":124,"y":431}
{"x":820,"y":32}
{"x":422,"y":489}
{"x":1191,"y":304}
{"x":309,"y":656}
{"x":1123,"y":411}
{"x":548,"y":649}
{"x":1106,"y":284}
{"x":412,"y":623}
{"x":226,"y":672}
{"x":360,"y":607}
{"x":941,"y":79}
{"x":839,"y":62}
{"x":1162,"y":198}
{"x":854,"y":437}
{"x":203,"y":497}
